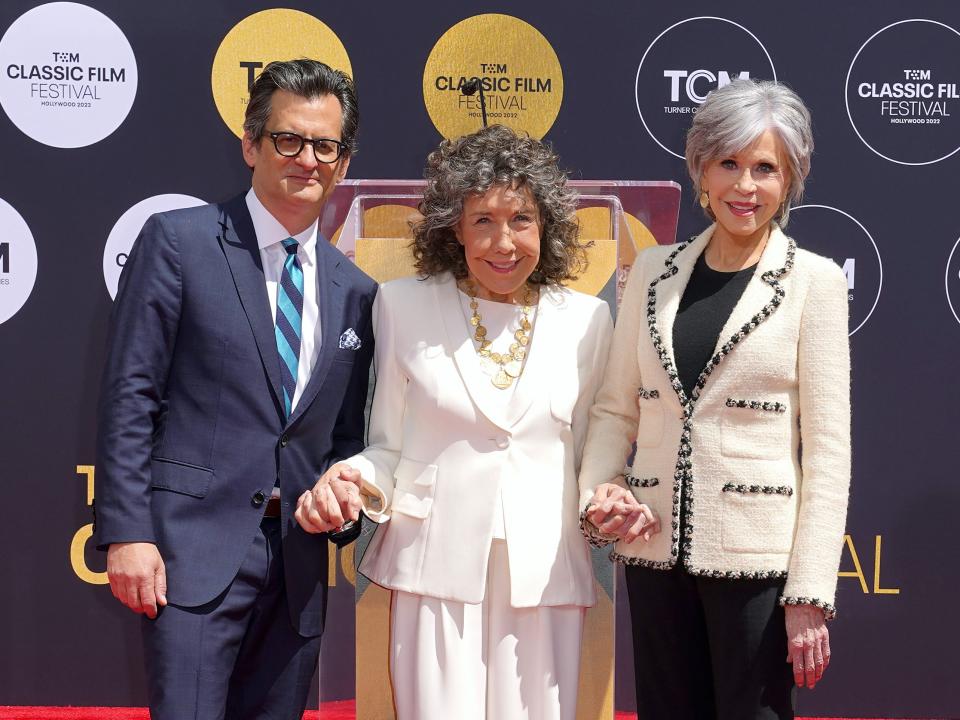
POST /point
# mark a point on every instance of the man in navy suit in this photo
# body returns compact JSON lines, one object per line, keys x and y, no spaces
{"x":237,"y":372}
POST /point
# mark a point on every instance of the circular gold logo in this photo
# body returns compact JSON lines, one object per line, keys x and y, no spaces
{"x":521,"y":77}
{"x":258,"y":39}
{"x":606,"y":254}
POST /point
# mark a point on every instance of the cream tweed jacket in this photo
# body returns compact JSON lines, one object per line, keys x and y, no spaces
{"x":757,"y":506}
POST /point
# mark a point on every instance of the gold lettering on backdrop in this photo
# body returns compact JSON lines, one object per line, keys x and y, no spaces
{"x":857,"y":572}
{"x":87,"y":470}
{"x":877,"y":590}
{"x":346,"y":563}
{"x":331,"y":564}
{"x":79,"y":542}
{"x":274,"y":34}
{"x":518,"y":69}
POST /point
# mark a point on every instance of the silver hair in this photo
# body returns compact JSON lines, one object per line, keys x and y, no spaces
{"x":735,"y":115}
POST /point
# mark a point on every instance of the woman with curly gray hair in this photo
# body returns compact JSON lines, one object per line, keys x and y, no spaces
{"x":723,"y":344}
{"x":486,"y":370}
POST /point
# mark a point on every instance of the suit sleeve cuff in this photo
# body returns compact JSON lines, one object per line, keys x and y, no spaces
{"x":374,"y":502}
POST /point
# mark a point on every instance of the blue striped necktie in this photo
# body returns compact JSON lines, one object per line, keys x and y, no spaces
{"x":287,"y":329}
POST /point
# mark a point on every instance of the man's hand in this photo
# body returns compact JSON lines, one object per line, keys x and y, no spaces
{"x":346,"y":489}
{"x":332,"y":501}
{"x":137,"y":576}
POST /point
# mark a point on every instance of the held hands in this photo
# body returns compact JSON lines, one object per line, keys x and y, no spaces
{"x":615,"y":511}
{"x":808,"y":643}
{"x":137,"y":576}
{"x":334,"y":500}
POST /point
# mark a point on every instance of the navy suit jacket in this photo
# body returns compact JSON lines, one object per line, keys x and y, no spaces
{"x":191,"y":426}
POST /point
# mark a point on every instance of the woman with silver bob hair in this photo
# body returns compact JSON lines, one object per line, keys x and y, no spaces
{"x":722,"y":345}
{"x":486,"y":370}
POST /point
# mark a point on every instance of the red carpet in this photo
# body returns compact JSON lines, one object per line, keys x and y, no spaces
{"x":343,"y":710}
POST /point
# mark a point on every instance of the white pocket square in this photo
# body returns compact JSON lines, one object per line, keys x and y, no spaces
{"x":349,"y":340}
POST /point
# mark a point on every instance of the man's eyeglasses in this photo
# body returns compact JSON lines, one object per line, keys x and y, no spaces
{"x":289,"y":144}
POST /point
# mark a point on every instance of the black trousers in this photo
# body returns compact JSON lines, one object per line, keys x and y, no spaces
{"x":708,"y":648}
{"x":238,"y":657}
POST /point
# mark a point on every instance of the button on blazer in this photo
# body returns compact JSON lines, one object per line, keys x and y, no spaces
{"x":442,"y":444}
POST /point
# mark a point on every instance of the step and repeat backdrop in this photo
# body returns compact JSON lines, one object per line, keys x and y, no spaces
{"x":114,"y":110}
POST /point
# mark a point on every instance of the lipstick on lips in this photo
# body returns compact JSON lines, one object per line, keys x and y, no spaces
{"x":502,"y":267}
{"x":742,"y":209}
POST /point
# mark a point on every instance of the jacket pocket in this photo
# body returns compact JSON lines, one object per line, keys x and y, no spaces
{"x":650,"y":426}
{"x":345,"y":355}
{"x":758,"y":518}
{"x":180,"y":477}
{"x":755,"y":429}
{"x":415,"y":483}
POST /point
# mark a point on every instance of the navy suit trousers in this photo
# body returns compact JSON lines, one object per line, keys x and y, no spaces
{"x":237,"y":657}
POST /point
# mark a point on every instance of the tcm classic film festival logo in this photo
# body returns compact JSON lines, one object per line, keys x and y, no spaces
{"x":520,"y":72}
{"x":259,"y":39}
{"x":18,"y":262}
{"x":903,"y":92}
{"x":835,"y":234}
{"x":68,"y":76}
{"x":684,"y":64}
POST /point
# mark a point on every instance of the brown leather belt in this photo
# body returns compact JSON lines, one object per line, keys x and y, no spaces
{"x":273,"y":508}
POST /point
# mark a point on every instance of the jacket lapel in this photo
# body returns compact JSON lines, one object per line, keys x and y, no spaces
{"x":761,"y":298}
{"x":330,"y":293}
{"x":663,"y":301}
{"x":239,"y":243}
{"x":532,"y":383}
{"x":460,"y":345}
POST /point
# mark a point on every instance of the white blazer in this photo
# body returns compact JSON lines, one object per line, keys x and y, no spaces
{"x":442,"y":444}
{"x":756,"y":506}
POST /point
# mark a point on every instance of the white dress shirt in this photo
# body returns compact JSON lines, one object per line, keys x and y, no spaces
{"x":270,"y":236}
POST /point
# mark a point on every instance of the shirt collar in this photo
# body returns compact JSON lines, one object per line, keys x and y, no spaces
{"x":270,"y":232}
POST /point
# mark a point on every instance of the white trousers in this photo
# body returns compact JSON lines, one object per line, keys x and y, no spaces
{"x":491,"y":661}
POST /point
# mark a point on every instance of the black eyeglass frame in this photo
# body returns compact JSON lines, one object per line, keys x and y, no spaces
{"x":341,"y":147}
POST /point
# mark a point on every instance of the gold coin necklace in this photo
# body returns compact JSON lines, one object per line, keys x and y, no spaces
{"x":506,"y":367}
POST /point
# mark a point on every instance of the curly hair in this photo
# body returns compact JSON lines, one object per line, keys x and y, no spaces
{"x":471,"y":165}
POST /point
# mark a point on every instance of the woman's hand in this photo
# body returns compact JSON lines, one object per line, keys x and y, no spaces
{"x":334,"y":500}
{"x":614,"y":510}
{"x":808,"y":643}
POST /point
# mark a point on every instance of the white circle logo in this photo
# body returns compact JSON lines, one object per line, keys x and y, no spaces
{"x":125,"y":231}
{"x":838,"y":235}
{"x":18,"y":262}
{"x":952,"y":281}
{"x":68,"y":76}
{"x":903,"y":92}
{"x":683,"y":64}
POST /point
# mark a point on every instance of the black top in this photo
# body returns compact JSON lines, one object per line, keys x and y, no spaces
{"x":705,"y":307}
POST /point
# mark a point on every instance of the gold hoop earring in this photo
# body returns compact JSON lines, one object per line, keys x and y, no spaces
{"x":704,"y":200}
